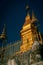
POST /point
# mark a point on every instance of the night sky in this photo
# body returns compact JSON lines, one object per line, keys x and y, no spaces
{"x":12,"y":13}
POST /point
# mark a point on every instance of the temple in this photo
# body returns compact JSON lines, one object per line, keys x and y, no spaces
{"x":18,"y":53}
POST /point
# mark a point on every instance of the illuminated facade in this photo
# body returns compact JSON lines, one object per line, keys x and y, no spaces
{"x":20,"y":50}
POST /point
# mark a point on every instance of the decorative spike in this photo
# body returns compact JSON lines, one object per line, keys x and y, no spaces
{"x":3,"y":35}
{"x":40,"y":37}
{"x":27,"y":7}
{"x":4,"y":29}
{"x":34,"y":17}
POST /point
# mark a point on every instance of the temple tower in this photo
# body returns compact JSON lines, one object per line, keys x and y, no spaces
{"x":29,"y":32}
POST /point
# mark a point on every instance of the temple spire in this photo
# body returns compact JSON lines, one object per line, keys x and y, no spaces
{"x":3,"y":35}
{"x":27,"y":18}
{"x":27,"y":7}
{"x":34,"y":17}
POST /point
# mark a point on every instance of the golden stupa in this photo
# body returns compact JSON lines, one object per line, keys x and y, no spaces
{"x":29,"y":33}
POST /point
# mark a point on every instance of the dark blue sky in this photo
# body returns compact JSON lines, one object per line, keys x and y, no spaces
{"x":12,"y":13}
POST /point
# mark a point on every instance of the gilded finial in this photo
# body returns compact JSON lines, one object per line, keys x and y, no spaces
{"x":27,"y":8}
{"x":27,"y":18}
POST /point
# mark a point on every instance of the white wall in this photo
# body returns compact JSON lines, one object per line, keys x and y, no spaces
{"x":11,"y":62}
